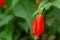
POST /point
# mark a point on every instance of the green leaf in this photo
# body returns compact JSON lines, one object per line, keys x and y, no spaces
{"x":6,"y":34}
{"x":58,"y":28}
{"x":56,"y":3}
{"x":24,"y":9}
{"x":48,"y":5}
{"x":54,"y":12}
{"x":23,"y":24}
{"x":57,"y":14}
{"x":8,"y":2}
{"x":53,"y":29}
{"x":5,"y":19}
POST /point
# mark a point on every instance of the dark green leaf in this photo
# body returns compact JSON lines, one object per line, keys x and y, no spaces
{"x":5,"y":19}
{"x":22,"y":24}
{"x":24,"y":9}
{"x":6,"y":34}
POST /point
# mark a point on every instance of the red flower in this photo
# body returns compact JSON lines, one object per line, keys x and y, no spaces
{"x":38,"y":25}
{"x":2,"y":2}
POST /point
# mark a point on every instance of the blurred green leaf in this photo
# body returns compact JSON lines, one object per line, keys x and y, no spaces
{"x":24,"y":9}
{"x":6,"y":34}
{"x":22,"y":24}
{"x":58,"y":28}
{"x":8,"y":2}
{"x":57,"y":14}
{"x":5,"y":19}
{"x":54,"y":12}
{"x":56,"y":3}
{"x":53,"y":29}
{"x":48,"y":5}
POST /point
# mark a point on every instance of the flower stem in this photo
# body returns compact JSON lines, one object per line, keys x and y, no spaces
{"x":36,"y":38}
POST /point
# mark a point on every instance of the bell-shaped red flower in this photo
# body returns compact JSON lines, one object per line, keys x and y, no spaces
{"x":38,"y":25}
{"x":2,"y":2}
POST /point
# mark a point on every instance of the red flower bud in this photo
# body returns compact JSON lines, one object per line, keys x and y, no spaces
{"x":2,"y":2}
{"x":38,"y":25}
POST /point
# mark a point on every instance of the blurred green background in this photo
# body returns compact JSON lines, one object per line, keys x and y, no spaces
{"x":16,"y":20}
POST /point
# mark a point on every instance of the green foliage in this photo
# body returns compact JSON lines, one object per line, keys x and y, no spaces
{"x":56,"y":3}
{"x":16,"y":18}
